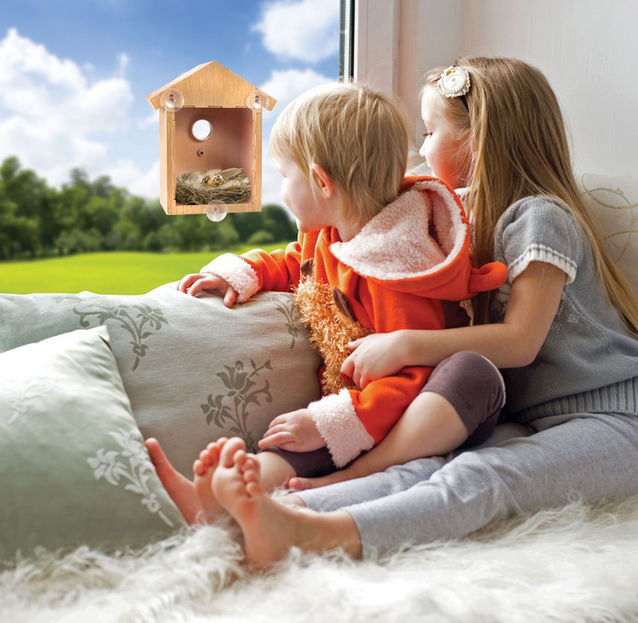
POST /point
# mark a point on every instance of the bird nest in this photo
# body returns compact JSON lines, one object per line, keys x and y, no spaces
{"x":202,"y":187}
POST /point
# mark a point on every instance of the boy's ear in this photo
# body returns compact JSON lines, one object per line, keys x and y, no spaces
{"x":322,"y":179}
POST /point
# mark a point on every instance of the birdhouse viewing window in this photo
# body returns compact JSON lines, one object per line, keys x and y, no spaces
{"x":210,"y":142}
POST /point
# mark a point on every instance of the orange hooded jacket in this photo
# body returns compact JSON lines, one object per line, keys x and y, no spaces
{"x":396,"y":274}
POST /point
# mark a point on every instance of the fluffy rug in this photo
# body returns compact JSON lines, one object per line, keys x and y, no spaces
{"x":577,"y":564}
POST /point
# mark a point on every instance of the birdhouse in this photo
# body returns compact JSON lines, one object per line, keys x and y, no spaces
{"x":210,"y":142}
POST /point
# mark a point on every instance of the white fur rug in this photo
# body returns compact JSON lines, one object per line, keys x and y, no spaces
{"x":577,"y":564}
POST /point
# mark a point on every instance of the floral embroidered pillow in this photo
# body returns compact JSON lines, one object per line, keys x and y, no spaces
{"x":73,"y":467}
{"x":193,"y":369}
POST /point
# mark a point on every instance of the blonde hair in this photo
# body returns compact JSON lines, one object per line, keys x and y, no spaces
{"x":357,"y":134}
{"x":515,"y":131}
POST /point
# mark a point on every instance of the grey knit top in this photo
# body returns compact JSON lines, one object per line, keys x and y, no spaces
{"x":589,"y":361}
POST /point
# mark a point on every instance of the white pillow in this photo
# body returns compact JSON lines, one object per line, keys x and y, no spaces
{"x":73,"y":467}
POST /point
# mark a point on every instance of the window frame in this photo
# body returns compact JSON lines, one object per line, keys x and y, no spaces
{"x":395,"y":42}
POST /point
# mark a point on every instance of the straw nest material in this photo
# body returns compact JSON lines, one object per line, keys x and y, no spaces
{"x":202,"y":187}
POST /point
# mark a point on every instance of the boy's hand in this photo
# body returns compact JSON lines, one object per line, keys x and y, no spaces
{"x":294,"y":431}
{"x":375,"y":357}
{"x":192,"y":284}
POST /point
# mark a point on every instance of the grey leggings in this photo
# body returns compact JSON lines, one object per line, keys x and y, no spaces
{"x":593,"y":456}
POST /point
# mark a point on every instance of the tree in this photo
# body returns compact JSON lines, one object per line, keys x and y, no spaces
{"x":30,"y":198}
{"x":273,"y":219}
{"x":8,"y":225}
{"x":260,"y":238}
{"x":278,"y":223}
{"x":84,"y":216}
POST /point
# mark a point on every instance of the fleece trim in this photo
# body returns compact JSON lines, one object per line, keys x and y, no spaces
{"x":398,"y":243}
{"x":340,"y":427}
{"x":238,"y":273}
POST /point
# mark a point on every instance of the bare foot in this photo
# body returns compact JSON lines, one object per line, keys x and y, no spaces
{"x":180,"y":488}
{"x":203,"y":470}
{"x":268,"y":527}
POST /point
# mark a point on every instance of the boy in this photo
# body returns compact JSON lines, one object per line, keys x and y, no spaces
{"x":393,"y":251}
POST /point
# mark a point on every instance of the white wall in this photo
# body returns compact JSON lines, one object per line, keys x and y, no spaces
{"x":587,"y":48}
{"x":396,"y":41}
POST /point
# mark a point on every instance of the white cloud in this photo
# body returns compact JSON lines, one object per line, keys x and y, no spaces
{"x":151,"y":120}
{"x":51,"y":150}
{"x":123,"y":61}
{"x":50,"y":111}
{"x":284,"y":86}
{"x":305,"y":30}
{"x":127,"y":174}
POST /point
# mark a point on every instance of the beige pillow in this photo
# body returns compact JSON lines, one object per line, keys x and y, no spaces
{"x":193,"y":369}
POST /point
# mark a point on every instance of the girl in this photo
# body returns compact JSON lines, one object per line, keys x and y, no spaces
{"x":563,"y":328}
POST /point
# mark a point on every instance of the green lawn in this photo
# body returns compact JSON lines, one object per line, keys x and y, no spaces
{"x":104,"y":273}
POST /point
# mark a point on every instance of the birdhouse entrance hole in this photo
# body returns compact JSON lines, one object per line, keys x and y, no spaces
{"x":202,"y":130}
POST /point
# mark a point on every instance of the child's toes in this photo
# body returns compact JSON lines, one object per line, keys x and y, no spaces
{"x":230,"y":448}
{"x":250,"y":475}
{"x":240,"y":459}
{"x":250,"y":463}
{"x":199,"y":469}
{"x":205,"y":458}
{"x":216,"y":446}
{"x":252,"y":485}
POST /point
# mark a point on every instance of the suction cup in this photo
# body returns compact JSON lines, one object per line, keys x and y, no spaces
{"x":216,"y":211}
{"x":257,"y":100}
{"x":172,"y":100}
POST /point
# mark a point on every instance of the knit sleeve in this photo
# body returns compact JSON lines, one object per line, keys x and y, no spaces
{"x":538,"y":230}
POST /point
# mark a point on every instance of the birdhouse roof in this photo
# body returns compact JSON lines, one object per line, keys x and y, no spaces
{"x":209,"y":84}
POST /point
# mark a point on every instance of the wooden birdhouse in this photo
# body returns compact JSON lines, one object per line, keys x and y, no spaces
{"x":210,"y":141}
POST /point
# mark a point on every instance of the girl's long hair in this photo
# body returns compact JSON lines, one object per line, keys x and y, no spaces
{"x":516,"y":136}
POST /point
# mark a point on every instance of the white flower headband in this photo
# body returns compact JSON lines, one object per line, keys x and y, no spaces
{"x":454,"y":82}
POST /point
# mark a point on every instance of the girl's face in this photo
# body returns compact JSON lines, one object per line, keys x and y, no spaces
{"x":443,"y":151}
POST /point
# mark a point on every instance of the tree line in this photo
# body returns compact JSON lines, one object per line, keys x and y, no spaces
{"x":85,"y":216}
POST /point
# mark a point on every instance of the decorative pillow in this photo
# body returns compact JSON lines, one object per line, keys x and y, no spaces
{"x":193,"y":369}
{"x":614,"y":203}
{"x":73,"y":466}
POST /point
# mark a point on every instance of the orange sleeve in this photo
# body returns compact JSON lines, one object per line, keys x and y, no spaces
{"x":277,"y":271}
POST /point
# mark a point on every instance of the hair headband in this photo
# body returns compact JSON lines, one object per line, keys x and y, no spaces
{"x":454,"y":82}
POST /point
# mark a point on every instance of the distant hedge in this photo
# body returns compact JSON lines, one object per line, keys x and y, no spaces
{"x":83,"y":216}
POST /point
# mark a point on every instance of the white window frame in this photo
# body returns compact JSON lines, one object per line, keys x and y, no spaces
{"x":397,"y":41}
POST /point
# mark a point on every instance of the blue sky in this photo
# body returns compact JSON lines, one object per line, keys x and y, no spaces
{"x":74,"y":74}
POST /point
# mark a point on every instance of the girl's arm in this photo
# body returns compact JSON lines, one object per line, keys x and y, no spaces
{"x":533,"y":303}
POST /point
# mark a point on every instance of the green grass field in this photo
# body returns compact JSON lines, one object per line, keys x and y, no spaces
{"x":104,"y":273}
